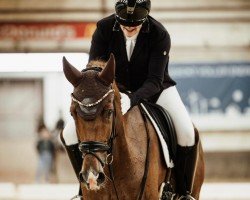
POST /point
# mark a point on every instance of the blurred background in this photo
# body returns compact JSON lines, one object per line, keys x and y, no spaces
{"x":209,"y":59}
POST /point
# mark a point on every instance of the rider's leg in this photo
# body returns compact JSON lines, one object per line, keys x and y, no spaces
{"x":171,"y":101}
{"x":70,"y":142}
{"x":187,"y":147}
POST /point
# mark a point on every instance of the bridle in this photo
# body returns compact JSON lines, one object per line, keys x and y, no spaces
{"x":94,"y":147}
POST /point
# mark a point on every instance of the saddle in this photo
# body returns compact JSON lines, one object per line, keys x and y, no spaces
{"x":165,"y":129}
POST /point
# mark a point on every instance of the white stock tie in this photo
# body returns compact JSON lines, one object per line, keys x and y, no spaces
{"x":130,"y":45}
{"x":129,"y":48}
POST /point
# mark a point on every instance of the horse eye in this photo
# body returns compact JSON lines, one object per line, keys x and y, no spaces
{"x":108,"y":113}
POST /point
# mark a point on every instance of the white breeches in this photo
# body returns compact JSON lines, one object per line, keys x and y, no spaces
{"x":171,"y":101}
{"x":69,"y":133}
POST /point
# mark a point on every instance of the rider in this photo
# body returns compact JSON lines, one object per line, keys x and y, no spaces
{"x":141,"y":47}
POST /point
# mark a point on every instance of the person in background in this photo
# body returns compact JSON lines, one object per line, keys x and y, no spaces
{"x":46,"y":151}
{"x":58,"y":145}
{"x":60,"y":124}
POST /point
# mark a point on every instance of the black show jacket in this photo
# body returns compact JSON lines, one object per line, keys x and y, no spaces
{"x":146,"y":74}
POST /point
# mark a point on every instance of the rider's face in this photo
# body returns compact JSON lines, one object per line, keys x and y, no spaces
{"x":130,"y":31}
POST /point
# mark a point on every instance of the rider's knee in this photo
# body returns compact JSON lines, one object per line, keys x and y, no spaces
{"x":186,"y":137}
{"x":69,"y":133}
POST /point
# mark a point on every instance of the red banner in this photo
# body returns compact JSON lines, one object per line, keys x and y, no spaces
{"x":46,"y":31}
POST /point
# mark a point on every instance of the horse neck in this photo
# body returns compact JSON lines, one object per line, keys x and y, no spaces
{"x":122,"y":145}
{"x":130,"y":140}
{"x":120,"y":142}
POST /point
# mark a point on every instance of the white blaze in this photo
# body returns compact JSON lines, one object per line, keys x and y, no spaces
{"x":92,"y":181}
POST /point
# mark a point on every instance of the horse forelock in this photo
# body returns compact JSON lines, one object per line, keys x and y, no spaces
{"x":96,"y":63}
{"x":91,"y":89}
{"x":91,"y":86}
{"x":102,"y":64}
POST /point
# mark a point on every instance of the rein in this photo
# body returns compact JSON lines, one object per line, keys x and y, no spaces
{"x":145,"y":175}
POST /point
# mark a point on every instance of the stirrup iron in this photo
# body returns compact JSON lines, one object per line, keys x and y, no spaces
{"x":167,"y":192}
{"x":186,"y":197}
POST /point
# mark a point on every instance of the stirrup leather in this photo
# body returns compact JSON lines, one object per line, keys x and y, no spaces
{"x":186,"y":197}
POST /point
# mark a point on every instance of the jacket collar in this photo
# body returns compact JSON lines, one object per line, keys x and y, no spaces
{"x":145,"y":26}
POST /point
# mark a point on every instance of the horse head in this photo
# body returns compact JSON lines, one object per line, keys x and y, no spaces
{"x":93,"y":110}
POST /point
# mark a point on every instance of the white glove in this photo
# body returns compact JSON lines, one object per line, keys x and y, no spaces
{"x":125,"y":103}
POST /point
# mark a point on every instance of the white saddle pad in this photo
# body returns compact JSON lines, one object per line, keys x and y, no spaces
{"x":164,"y":146}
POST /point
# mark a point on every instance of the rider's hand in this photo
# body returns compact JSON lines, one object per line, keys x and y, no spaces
{"x":125,"y":103}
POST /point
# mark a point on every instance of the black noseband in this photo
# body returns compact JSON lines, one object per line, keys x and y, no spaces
{"x":92,"y":147}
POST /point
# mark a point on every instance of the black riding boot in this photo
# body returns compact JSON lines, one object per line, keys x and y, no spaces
{"x":185,"y":169}
{"x":75,"y":158}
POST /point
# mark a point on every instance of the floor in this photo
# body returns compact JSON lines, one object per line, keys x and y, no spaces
{"x":210,"y":191}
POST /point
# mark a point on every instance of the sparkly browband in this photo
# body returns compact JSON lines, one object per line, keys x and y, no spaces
{"x":92,"y":104}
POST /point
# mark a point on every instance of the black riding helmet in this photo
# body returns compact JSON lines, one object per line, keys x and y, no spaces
{"x":132,"y":12}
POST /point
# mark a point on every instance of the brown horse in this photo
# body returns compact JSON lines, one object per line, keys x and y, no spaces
{"x":115,"y":147}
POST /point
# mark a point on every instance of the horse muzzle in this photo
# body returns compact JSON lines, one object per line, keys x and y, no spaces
{"x":92,"y":174}
{"x":92,"y":180}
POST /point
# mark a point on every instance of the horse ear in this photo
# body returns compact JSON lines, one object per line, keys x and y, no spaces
{"x":108,"y":73}
{"x":72,"y":74}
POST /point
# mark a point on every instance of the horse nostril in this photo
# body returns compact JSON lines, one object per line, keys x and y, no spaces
{"x":101,"y":178}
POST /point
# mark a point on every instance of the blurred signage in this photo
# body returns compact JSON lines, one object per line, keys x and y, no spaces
{"x":217,"y":91}
{"x":46,"y":31}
